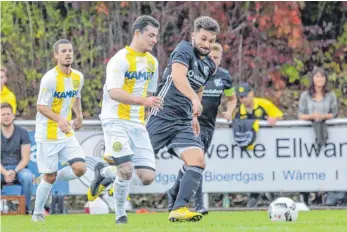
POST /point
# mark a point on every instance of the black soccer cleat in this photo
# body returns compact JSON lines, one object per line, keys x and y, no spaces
{"x":94,"y":189}
{"x":122,"y":220}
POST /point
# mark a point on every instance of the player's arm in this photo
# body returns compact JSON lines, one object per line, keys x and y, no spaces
{"x":77,"y":107}
{"x":45,"y":95}
{"x":47,"y":112}
{"x":179,"y":78}
{"x":115,"y":74}
{"x":232,"y":101}
{"x":200,"y":92}
{"x":124,"y":97}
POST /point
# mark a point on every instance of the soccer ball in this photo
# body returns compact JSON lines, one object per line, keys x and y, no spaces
{"x":283,"y":209}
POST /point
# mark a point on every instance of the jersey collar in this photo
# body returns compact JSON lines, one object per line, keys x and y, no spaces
{"x":132,"y":51}
{"x":62,"y":73}
{"x":5,"y":90}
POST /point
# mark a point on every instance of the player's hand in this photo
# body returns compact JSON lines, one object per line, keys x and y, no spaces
{"x":153,"y":102}
{"x":271,"y":121}
{"x":64,"y":125}
{"x":77,"y":124}
{"x":197,"y":107}
{"x":196,"y":126}
{"x":227,"y":115}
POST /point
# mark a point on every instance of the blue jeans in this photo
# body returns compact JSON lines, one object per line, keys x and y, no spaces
{"x":25,"y":179}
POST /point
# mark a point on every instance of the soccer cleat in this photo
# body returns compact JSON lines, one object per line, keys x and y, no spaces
{"x":110,"y":191}
{"x":202,"y":210}
{"x":184,"y":215}
{"x":170,"y":200}
{"x":122,"y":220}
{"x":102,"y":186}
{"x":96,"y":188}
{"x":37,"y":218}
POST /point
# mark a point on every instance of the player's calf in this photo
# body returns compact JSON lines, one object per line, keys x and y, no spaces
{"x":50,"y":177}
{"x":121,"y":188}
{"x":191,"y":179}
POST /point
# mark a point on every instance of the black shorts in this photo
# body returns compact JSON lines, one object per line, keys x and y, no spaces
{"x":205,"y":137}
{"x":170,"y":134}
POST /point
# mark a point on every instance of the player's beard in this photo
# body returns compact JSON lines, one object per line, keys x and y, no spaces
{"x":67,"y":65}
{"x":198,"y":51}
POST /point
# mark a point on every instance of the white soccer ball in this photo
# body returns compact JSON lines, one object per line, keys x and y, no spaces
{"x":283,"y":209}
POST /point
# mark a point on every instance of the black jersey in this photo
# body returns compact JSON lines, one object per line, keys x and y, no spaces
{"x":212,"y":95}
{"x":176,"y":105}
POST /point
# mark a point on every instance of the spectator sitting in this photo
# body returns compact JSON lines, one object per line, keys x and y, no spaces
{"x":255,"y":108}
{"x":6,"y":94}
{"x":15,"y":154}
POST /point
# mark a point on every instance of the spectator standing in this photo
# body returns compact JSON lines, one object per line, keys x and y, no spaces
{"x":6,"y":94}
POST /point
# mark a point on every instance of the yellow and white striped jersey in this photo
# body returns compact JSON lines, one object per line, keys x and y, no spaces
{"x":58,"y":91}
{"x":135,"y":73}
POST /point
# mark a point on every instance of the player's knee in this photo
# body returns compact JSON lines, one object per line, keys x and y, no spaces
{"x":79,"y":168}
{"x":146,"y":176}
{"x":201,"y":163}
{"x":198,"y":160}
{"x":125,"y":170}
{"x":148,"y":179}
{"x":50,"y":178}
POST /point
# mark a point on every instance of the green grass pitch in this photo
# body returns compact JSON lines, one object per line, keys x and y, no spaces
{"x":315,"y":221}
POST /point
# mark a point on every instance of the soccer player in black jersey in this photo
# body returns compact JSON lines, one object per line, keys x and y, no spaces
{"x":176,"y":125}
{"x":220,"y":82}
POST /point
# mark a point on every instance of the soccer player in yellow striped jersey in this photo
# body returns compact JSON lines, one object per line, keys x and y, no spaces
{"x":130,"y":74}
{"x":60,"y":93}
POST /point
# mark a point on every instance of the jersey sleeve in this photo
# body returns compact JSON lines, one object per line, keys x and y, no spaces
{"x":181,"y":55}
{"x":81,"y":86}
{"x":271,"y":109}
{"x":47,"y":89}
{"x":115,"y":72}
{"x":229,"y":92}
{"x":229,"y":89}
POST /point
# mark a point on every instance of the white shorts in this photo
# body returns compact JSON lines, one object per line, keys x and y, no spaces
{"x":124,"y":139}
{"x":49,"y":154}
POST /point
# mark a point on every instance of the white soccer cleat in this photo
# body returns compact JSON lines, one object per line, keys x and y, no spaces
{"x":37,"y":218}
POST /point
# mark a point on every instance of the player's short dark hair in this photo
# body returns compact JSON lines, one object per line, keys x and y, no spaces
{"x":6,"y":105}
{"x":143,"y":21}
{"x":61,"y":41}
{"x":207,"y":23}
{"x":217,"y":47}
